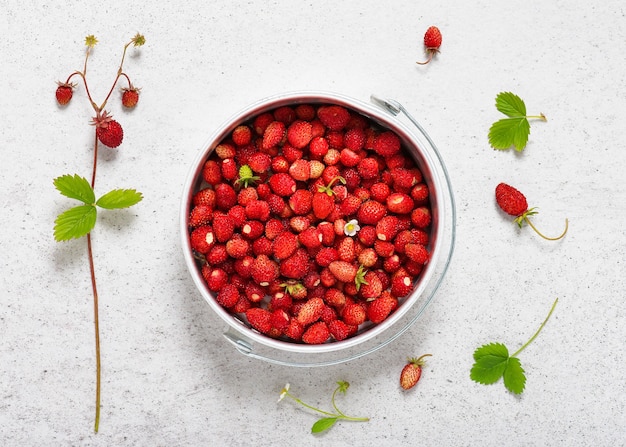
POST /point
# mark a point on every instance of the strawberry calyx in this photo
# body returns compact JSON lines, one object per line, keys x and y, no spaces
{"x":419,"y":361}
{"x":328,"y":188}
{"x":359,"y":279}
{"x":102,"y":119}
{"x":246,"y":176}
{"x":292,"y":288}
{"x":519,"y":220}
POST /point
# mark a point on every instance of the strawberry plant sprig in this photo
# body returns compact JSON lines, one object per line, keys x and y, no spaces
{"x":492,"y":361}
{"x":515,"y":128}
{"x":79,"y":220}
{"x":328,"y":419}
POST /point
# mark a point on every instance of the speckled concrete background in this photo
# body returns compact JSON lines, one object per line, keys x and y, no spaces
{"x":169,"y":377}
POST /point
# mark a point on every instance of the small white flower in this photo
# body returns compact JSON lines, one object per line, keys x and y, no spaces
{"x":283,"y":392}
{"x":351,"y":228}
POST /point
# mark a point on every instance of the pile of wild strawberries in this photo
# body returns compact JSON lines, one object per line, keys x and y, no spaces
{"x":310,"y":222}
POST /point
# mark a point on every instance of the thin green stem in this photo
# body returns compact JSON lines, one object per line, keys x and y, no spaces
{"x":338,"y":415}
{"x":310,"y":407}
{"x":544,"y":236}
{"x":538,"y":330}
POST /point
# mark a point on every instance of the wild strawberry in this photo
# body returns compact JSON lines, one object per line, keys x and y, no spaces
{"x":64,"y":92}
{"x":282,"y":184}
{"x":368,"y":168}
{"x":420,"y":194}
{"x":367,"y":235}
{"x":300,"y":170}
{"x":335,"y":139}
{"x":261,"y":122}
{"x":294,"y":330}
{"x":513,"y":202}
{"x":285,"y":114}
{"x":421,"y":217}
{"x":417,"y":253}
{"x":412,"y":372}
{"x":108,"y":131}
{"x":200,"y":215}
{"x":311,"y":311}
{"x":316,"y":168}
{"x":223,"y":228}
{"x":259,"y":319}
{"x":228,"y":295}
{"x":333,"y":116}
{"x":225,"y":150}
{"x":299,"y":223}
{"x":285,"y":244}
{"x":130,"y":97}
{"x":259,"y":162}
{"x":316,"y":334}
{"x":346,"y":249}
{"x":280,"y":300}
{"x":311,"y":238}
{"x":216,"y":255}
{"x":252,"y":230}
{"x":241,"y":135}
{"x":296,"y":266}
{"x":225,"y":196}
{"x":205,"y":196}
{"x":237,"y":247}
{"x":401,"y":284}
{"x":349,"y":158}
{"x":243,"y":265}
{"x":340,"y":330}
{"x":332,"y":157}
{"x":301,"y":202}
{"x":370,"y":212}
{"x":273,"y":134}
{"x":400,"y":203}
{"x":380,"y":308}
{"x":216,"y":278}
{"x":404,"y":179}
{"x":387,"y":228}
{"x":343,"y":271}
{"x":264,"y":270}
{"x":202,"y":239}
{"x":371,"y":286}
{"x":368,"y":257}
{"x":299,"y":134}
{"x":238,"y":214}
{"x":354,"y":139}
{"x":318,"y":147}
{"x":258,"y":210}
{"x":354,"y":314}
{"x":432,"y":42}
{"x":279,"y":319}
{"x":387,"y":144}
{"x":305,"y":112}
{"x":212,"y":172}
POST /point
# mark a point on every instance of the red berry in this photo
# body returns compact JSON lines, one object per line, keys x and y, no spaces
{"x":108,"y":131}
{"x":259,"y":319}
{"x":412,"y":372}
{"x":64,"y":93}
{"x":316,"y":334}
{"x":371,"y":212}
{"x":311,"y":311}
{"x":333,"y":116}
{"x":432,"y":42}
{"x":343,"y":271}
{"x":273,"y":134}
{"x":510,"y":200}
{"x":130,"y":97}
{"x":400,"y":203}
{"x":202,"y":239}
{"x":381,"y":307}
{"x":299,"y":134}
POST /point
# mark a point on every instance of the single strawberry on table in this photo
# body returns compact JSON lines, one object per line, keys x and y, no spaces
{"x":432,"y":42}
{"x":514,"y":203}
{"x":412,"y":372}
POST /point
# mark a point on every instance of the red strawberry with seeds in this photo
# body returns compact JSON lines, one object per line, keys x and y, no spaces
{"x":370,"y":212}
{"x":354,"y":314}
{"x":380,"y":308}
{"x":333,"y":116}
{"x":297,"y":265}
{"x":316,"y":334}
{"x":282,"y":184}
{"x":421,"y":217}
{"x":400,"y":203}
{"x":343,"y":271}
{"x":216,"y":278}
{"x":200,"y":215}
{"x":273,"y":134}
{"x":223,"y":227}
{"x":64,"y":92}
{"x":299,"y":134}
{"x":432,"y":42}
{"x":387,"y":144}
{"x":371,"y":286}
{"x":108,"y":131}
{"x":301,"y":202}
{"x":242,"y":135}
{"x":264,"y":270}
{"x":259,"y":319}
{"x":228,"y":295}
{"x":401,"y":283}
{"x":412,"y":372}
{"x":130,"y":97}
{"x":202,"y":239}
{"x":513,"y":202}
{"x":285,"y":244}
{"x":311,"y":311}
{"x":387,"y":228}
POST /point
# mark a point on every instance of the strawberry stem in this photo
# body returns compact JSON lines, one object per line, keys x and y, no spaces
{"x":538,"y":330}
{"x":546,"y":237}
{"x":96,"y":329}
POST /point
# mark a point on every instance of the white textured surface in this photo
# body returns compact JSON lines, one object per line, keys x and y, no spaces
{"x":169,"y":377}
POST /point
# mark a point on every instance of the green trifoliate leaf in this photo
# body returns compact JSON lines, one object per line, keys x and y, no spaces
{"x":510,"y":104}
{"x":75,"y":187}
{"x":515,"y":129}
{"x":323,"y":424}
{"x":119,"y":198}
{"x":514,"y":378}
{"x":490,"y":363}
{"x":509,"y":132}
{"x":75,"y":222}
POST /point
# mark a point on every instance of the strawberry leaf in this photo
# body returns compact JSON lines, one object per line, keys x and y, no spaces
{"x":119,"y":198}
{"x":510,"y":104}
{"x":509,"y":132}
{"x":323,"y":424}
{"x":75,"y":187}
{"x":490,"y":363}
{"x":75,"y":222}
{"x":514,"y":378}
